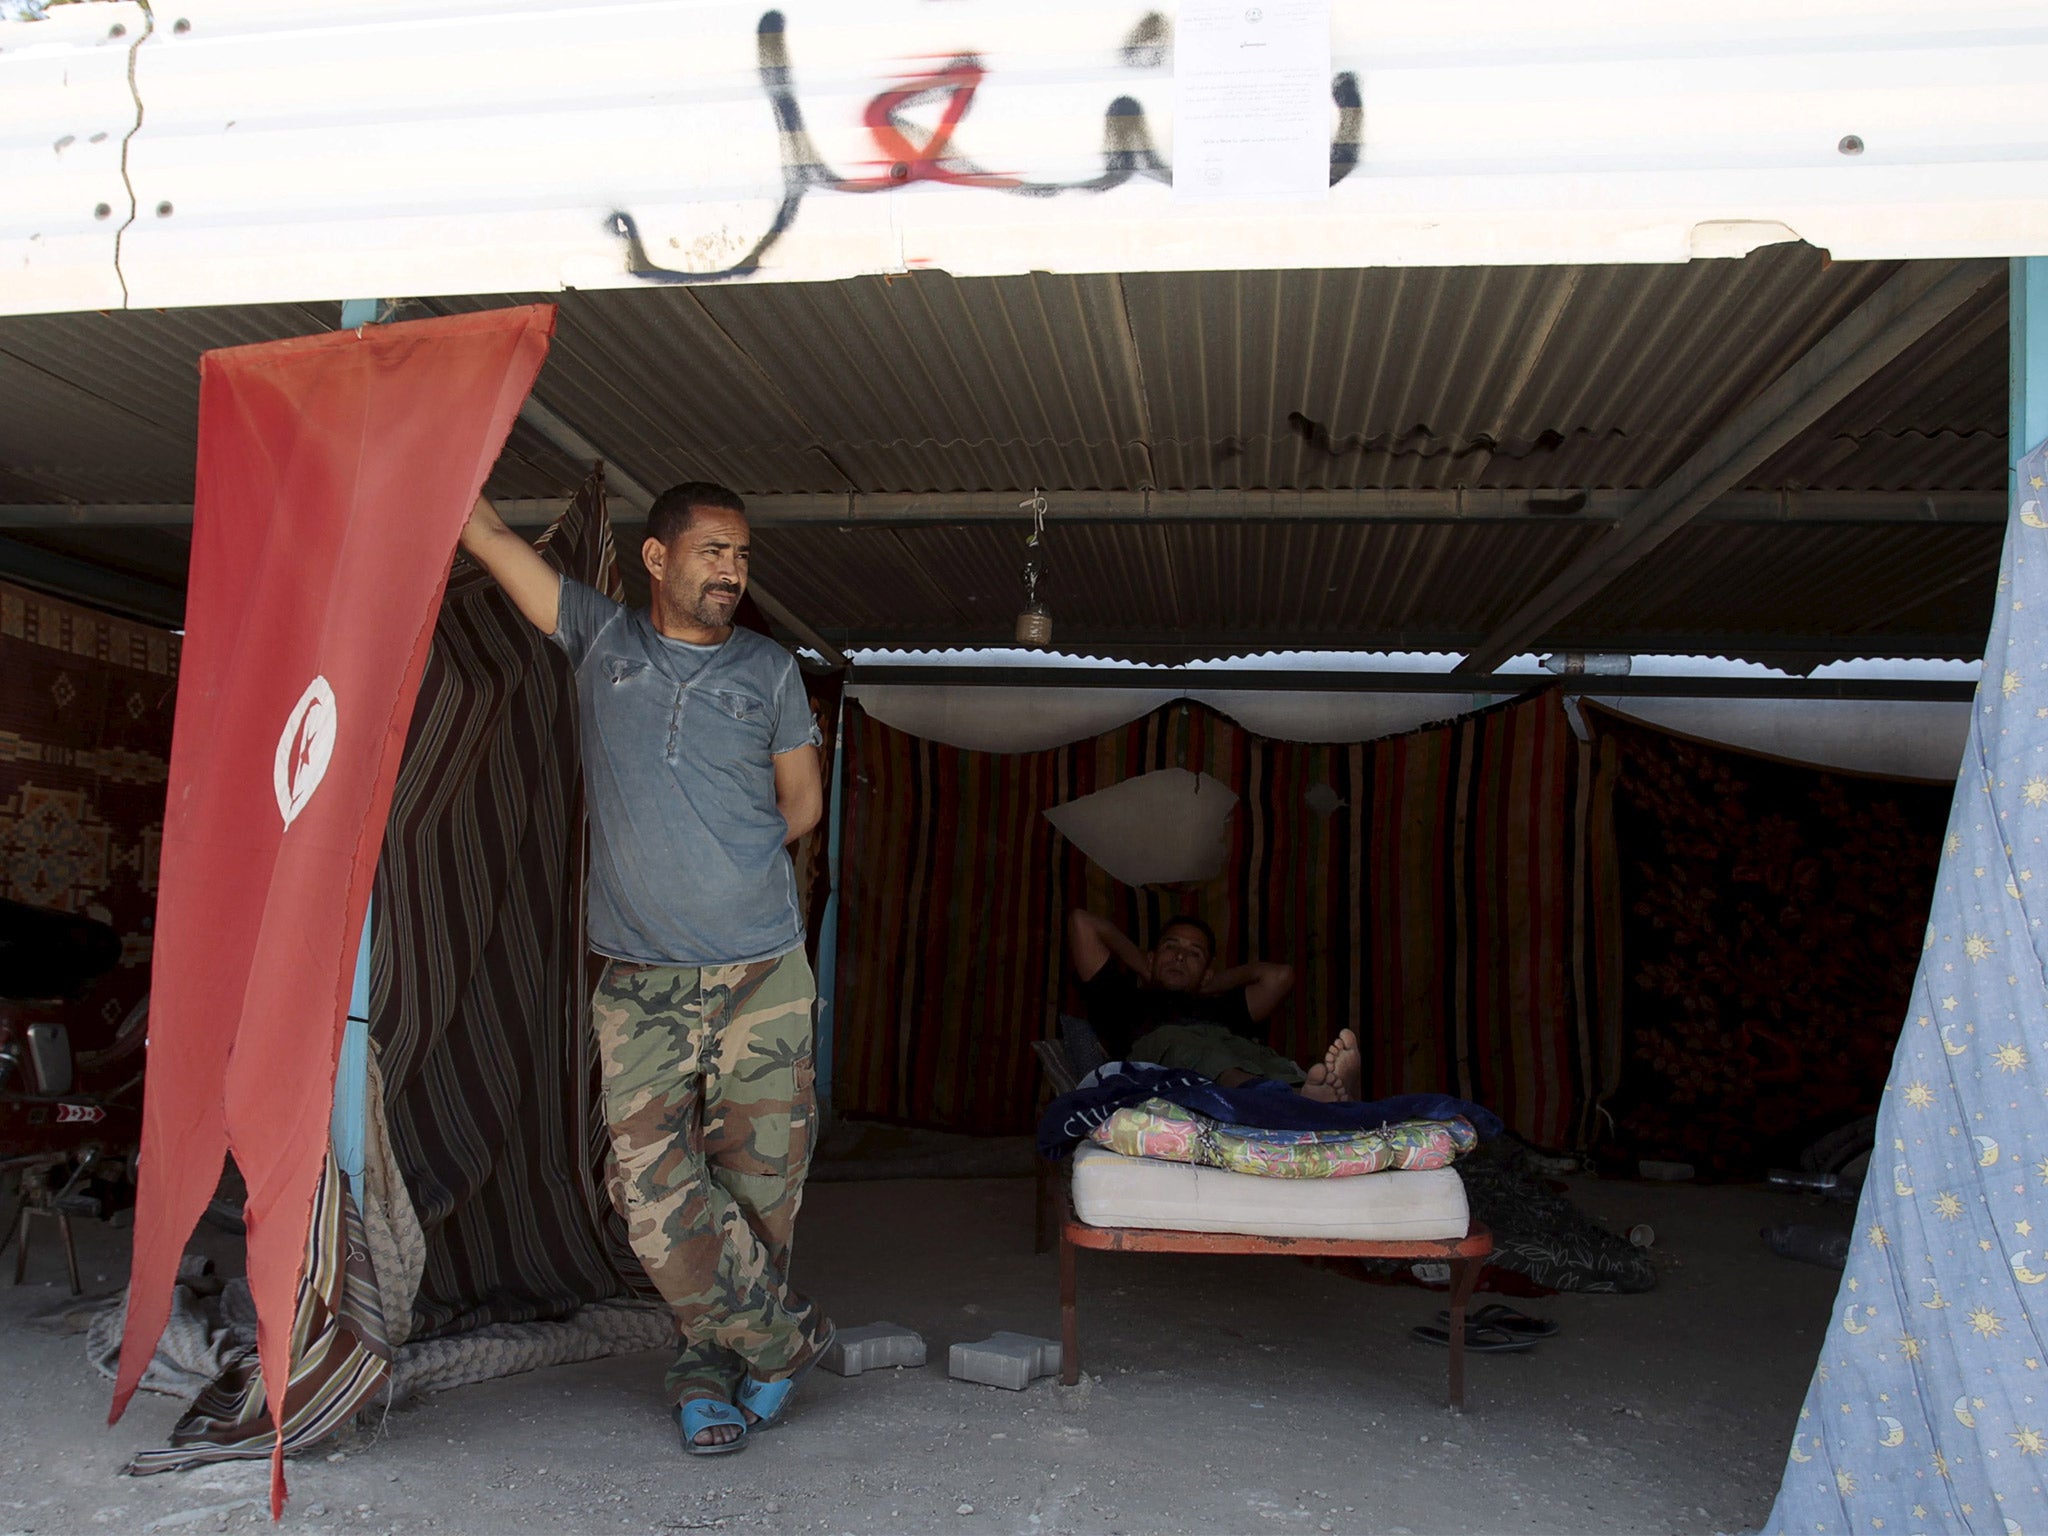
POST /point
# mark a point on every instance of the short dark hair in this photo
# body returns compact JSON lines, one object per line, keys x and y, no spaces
{"x":669,"y":518}
{"x":1189,"y":920}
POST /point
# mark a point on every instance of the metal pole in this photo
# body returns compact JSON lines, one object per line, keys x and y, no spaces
{"x":2027,"y":375}
{"x":828,"y":937}
{"x":348,"y":1127}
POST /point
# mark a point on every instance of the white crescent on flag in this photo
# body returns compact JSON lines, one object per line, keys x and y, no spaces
{"x":304,"y":749}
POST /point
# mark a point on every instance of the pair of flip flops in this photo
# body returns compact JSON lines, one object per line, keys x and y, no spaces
{"x":1494,"y":1329}
{"x":765,"y":1400}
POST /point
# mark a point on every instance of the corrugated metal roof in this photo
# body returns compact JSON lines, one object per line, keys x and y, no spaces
{"x":105,"y":407}
{"x":928,"y":382}
{"x":1410,"y":378}
{"x":1537,"y":377}
{"x":1935,"y":419}
{"x":1892,"y":461}
{"x":653,"y":380}
{"x":1214,"y":590}
{"x":1515,"y":377}
{"x":1553,"y":376}
{"x":1212,"y":587}
{"x":1752,"y":584}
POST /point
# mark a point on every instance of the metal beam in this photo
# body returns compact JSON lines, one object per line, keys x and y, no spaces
{"x":109,"y":514}
{"x":1153,"y":507}
{"x":627,"y":489}
{"x":1761,"y":508}
{"x":1503,"y":684}
{"x":95,"y":585}
{"x":1912,"y":303}
{"x":869,"y":510}
{"x":1174,"y":648}
{"x":1563,"y":507}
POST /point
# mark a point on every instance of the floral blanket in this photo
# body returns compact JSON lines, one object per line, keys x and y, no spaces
{"x":1158,"y":1128}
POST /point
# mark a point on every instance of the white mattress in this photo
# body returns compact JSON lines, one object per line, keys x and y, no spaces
{"x":1111,"y":1190}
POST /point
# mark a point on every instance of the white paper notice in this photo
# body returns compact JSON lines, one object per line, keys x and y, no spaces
{"x":1251,"y":100}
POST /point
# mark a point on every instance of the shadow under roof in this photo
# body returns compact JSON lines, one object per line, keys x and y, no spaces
{"x":929,"y":406}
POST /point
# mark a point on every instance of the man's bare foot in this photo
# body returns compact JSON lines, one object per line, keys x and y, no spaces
{"x":707,"y":1425}
{"x":1340,"y":1075}
{"x":1346,"y":1063}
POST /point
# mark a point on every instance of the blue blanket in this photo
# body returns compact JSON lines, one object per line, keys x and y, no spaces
{"x":1260,"y":1105}
{"x":1926,"y":1411}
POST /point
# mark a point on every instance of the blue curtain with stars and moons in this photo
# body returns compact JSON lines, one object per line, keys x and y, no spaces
{"x":1928,"y":1409}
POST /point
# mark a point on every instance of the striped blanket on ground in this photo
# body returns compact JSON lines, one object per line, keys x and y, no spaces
{"x":338,"y":1352}
{"x":1160,"y":1129}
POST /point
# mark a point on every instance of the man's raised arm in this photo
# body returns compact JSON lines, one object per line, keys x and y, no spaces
{"x":1093,"y":941}
{"x":533,"y":585}
{"x":1266,"y":983}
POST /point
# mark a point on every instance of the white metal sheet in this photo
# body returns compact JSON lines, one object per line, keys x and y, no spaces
{"x":370,"y":148}
{"x":65,"y":111}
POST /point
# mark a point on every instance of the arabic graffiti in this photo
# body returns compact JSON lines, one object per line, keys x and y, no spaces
{"x":910,"y":154}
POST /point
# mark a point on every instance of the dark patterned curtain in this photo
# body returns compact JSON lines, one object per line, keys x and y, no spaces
{"x":1767,"y":918}
{"x":1424,"y":888}
{"x":85,"y":741}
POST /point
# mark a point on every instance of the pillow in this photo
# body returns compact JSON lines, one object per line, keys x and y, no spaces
{"x":1084,"y":1046}
{"x":1163,"y":1130}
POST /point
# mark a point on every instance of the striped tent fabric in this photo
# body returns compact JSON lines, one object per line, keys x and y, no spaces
{"x":479,"y":980}
{"x":1435,"y":898}
{"x":477,"y":1002}
{"x":340,"y":1358}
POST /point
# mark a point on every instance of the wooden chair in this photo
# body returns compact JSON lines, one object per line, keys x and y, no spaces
{"x":1059,"y":1079}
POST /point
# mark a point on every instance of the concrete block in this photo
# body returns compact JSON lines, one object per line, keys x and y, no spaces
{"x":1004,"y":1360}
{"x":872,"y":1347}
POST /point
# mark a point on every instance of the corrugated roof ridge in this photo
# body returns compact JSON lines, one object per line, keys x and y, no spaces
{"x":1904,"y":434}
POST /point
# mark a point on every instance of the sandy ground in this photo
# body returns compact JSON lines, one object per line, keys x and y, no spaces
{"x":1225,"y":1395}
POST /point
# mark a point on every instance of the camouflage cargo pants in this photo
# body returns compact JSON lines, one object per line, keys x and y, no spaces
{"x":710,"y":1097}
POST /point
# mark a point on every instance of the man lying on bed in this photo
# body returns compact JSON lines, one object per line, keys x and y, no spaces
{"x":1170,"y":1005}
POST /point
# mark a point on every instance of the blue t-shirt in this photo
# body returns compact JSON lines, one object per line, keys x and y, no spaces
{"x":687,"y":864}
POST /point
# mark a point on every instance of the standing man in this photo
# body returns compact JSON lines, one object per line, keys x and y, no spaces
{"x":700,"y":767}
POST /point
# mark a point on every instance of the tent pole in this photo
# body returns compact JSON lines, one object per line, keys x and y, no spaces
{"x":2027,"y":395}
{"x":828,"y":937}
{"x":348,"y":1130}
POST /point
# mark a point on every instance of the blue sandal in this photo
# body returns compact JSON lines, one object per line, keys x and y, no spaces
{"x":702,"y":1413}
{"x":765,"y":1400}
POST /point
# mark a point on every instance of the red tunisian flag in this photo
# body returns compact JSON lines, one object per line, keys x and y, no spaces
{"x":335,"y":474}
